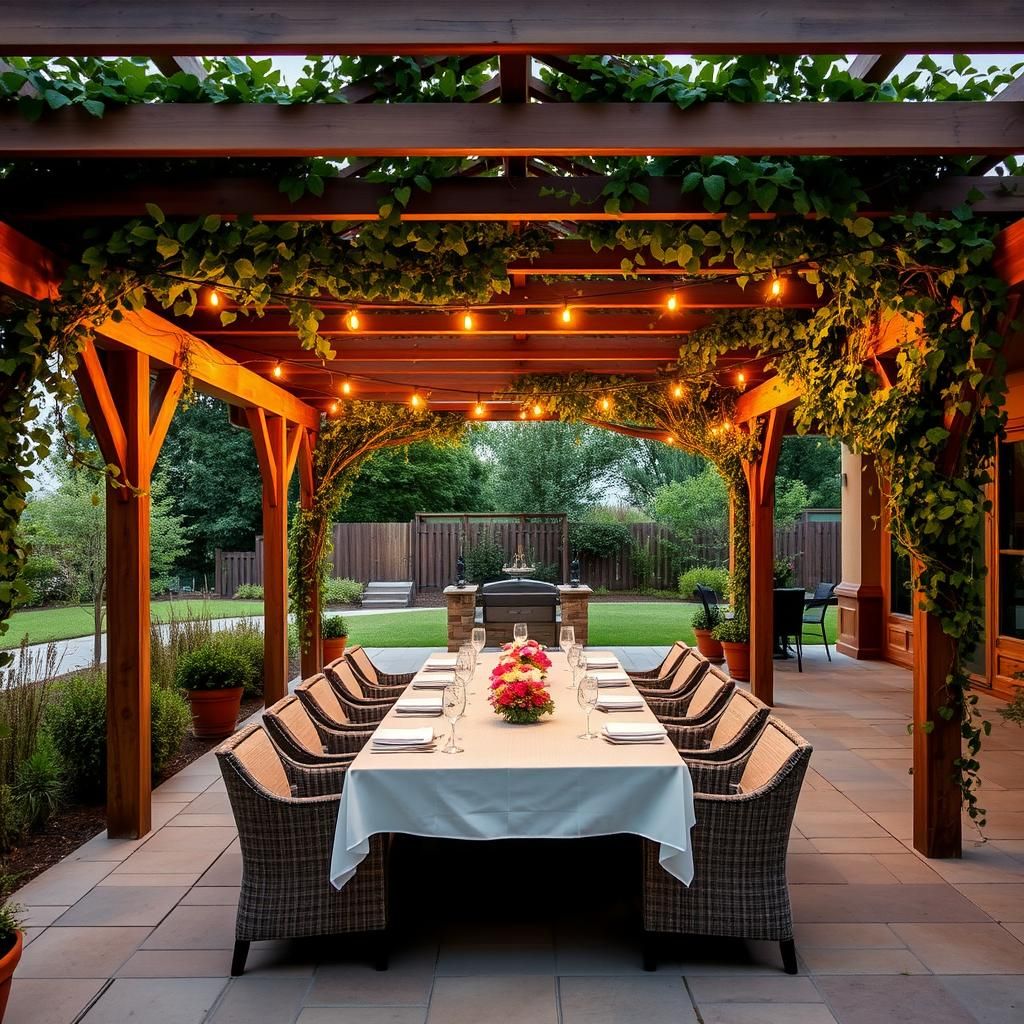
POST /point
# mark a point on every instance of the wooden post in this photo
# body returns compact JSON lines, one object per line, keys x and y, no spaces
{"x":937,"y":798}
{"x":760,"y":475}
{"x":310,"y":651}
{"x":269,"y":435}
{"x":129,"y":428}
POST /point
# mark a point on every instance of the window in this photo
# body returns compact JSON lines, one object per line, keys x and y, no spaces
{"x":1010,"y":538}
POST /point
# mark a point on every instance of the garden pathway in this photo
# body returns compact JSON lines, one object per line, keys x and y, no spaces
{"x":142,"y":930}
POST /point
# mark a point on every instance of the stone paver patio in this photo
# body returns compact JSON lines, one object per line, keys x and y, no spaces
{"x":142,"y":930}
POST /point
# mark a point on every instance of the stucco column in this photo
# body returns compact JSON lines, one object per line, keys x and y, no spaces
{"x":575,"y":603}
{"x":861,"y":605}
{"x":461,"y":614}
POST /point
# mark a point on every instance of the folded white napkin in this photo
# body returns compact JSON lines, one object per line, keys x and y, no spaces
{"x":438,"y":662}
{"x":418,"y":705}
{"x":385,"y":737}
{"x":634,"y":732}
{"x":602,"y":661}
{"x":611,"y":677}
{"x":620,"y":702}
{"x":432,"y":680}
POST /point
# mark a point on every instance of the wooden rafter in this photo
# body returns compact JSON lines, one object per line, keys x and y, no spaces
{"x":170,"y":66}
{"x":490,"y":26}
{"x":494,"y":129}
{"x":167,"y":388}
{"x":874,"y":67}
{"x":104,"y":416}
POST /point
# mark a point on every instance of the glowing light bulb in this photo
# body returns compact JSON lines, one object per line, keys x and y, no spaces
{"x":416,"y":401}
{"x":776,"y":287}
{"x":566,"y":314}
{"x":278,"y":370}
{"x":214,"y":297}
{"x":346,"y":387}
{"x":670,"y":439}
{"x":479,"y":409}
{"x":677,"y":391}
{"x":673,"y":302}
{"x":605,"y":404}
{"x":522,"y":415}
{"x":334,"y":408}
{"x":537,"y":410}
{"x":726,"y":425}
{"x":741,"y":378}
{"x":467,"y":321}
{"x":352,"y":321}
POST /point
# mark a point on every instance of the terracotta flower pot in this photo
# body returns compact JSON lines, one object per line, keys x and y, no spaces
{"x":215,"y":712}
{"x":8,"y":962}
{"x":334,"y":648}
{"x":737,"y":658}
{"x":708,"y":645}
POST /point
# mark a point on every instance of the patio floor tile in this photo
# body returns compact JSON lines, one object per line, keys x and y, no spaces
{"x":361,"y":985}
{"x":178,"y":963}
{"x":779,"y":989}
{"x":260,"y":1001}
{"x":54,"y":1001}
{"x":510,"y":1000}
{"x":1003,"y":901}
{"x":195,"y":928}
{"x":461,"y":959}
{"x":653,"y":999}
{"x":992,"y":1000}
{"x":892,"y":1000}
{"x":862,"y":961}
{"x":776,"y":1013}
{"x":163,"y":1000}
{"x":123,"y":905}
{"x":363,"y":1015}
{"x":80,"y":952}
{"x":64,"y":883}
{"x":965,"y":949}
{"x":882,"y":903}
{"x":846,"y":936}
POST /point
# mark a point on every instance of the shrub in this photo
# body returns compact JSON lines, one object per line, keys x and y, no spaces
{"x":643,"y":563}
{"x":249,"y":592}
{"x":170,"y":641}
{"x":47,"y":580}
{"x":213,"y":666}
{"x":705,"y":575}
{"x":783,"y":572}
{"x":333,"y":627}
{"x":10,"y":922}
{"x":245,"y":638}
{"x":12,"y":818}
{"x":599,"y":540}
{"x":342,"y":591}
{"x":484,"y":561}
{"x":39,"y":784}
{"x":732,"y":631}
{"x":701,"y":620}
{"x":76,"y":719}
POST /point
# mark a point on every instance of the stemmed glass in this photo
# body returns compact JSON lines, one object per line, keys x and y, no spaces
{"x":586,"y":696}
{"x":465,"y":665}
{"x":520,"y":632}
{"x":566,"y":638}
{"x":479,"y":639}
{"x":577,"y":659}
{"x":453,"y":702}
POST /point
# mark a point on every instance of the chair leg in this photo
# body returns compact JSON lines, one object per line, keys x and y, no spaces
{"x":799,"y":652}
{"x":824,"y":638}
{"x":788,"y":949}
{"x":239,"y":957}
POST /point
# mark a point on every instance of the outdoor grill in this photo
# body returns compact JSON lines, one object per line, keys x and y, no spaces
{"x":506,"y":602}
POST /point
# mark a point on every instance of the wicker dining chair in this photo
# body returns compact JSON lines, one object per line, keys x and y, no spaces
{"x":324,"y":706}
{"x":660,"y":676}
{"x":697,"y":706}
{"x":732,"y":732}
{"x":744,"y":810}
{"x":286,"y":816}
{"x":295,"y":734}
{"x":345,"y":681}
{"x":688,"y":673}
{"x":370,"y":674}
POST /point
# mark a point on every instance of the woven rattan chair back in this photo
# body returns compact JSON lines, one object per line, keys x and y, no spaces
{"x":340,"y":672}
{"x":775,"y":747}
{"x":289,"y":715}
{"x":692,"y":665}
{"x":318,"y":692}
{"x":253,"y":757}
{"x":709,"y":691}
{"x":358,"y":656}
{"x":741,"y":710}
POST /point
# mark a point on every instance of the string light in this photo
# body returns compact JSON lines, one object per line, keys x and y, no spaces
{"x":334,"y":408}
{"x":678,"y":391}
{"x":741,"y":378}
{"x":566,"y":313}
{"x":672,"y":304}
{"x":776,"y":287}
{"x":214,"y":297}
{"x":278,"y":370}
{"x":606,"y":404}
{"x":522,"y":415}
{"x":352,"y":321}
{"x":416,"y":401}
{"x":467,"y":321}
{"x":670,"y":439}
{"x":346,"y":387}
{"x":479,"y":409}
{"x":537,"y":410}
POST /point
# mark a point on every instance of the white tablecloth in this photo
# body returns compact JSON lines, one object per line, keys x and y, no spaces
{"x":520,"y":782}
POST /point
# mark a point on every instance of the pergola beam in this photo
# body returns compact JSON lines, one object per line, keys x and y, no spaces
{"x":493,"y":26}
{"x":875,"y":67}
{"x":479,"y":199}
{"x":493,"y":129}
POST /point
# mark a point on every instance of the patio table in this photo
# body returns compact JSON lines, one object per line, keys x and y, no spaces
{"x":520,"y":782}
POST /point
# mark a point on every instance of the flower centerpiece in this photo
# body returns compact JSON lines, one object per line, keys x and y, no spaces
{"x":518,"y":692}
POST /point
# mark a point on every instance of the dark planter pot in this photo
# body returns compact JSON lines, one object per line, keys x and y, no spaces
{"x":8,"y":962}
{"x":334,"y":648}
{"x":708,"y":645}
{"x":737,"y":658}
{"x":215,"y":712}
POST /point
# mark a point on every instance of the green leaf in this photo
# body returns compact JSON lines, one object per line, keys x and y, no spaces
{"x":167,"y":247}
{"x":155,"y":212}
{"x":403,"y":194}
{"x":211,"y":223}
{"x":714,"y":185}
{"x":862,"y":227}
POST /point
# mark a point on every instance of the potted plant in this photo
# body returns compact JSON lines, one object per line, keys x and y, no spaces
{"x":213,"y":676}
{"x":10,"y":949}
{"x":334,"y":634}
{"x":702,"y":627}
{"x":734,"y":636}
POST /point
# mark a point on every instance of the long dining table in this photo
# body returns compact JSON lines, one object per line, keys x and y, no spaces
{"x":537,"y":781}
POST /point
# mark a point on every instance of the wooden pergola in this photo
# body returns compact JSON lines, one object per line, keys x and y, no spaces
{"x":523,"y":140}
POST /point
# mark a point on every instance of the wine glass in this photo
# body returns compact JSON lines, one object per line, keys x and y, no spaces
{"x":577,"y":659}
{"x":520,"y":632}
{"x":586,"y":697}
{"x":566,"y":638}
{"x":479,"y":638}
{"x":453,"y":703}
{"x":465,"y":665}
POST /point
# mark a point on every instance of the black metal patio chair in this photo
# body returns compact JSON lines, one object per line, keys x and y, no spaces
{"x":815,"y":608}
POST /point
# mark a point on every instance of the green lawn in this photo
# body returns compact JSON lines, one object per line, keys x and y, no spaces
{"x":47,"y":624}
{"x":638,"y":624}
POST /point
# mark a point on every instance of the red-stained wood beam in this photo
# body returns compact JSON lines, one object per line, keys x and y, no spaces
{"x":170,"y":66}
{"x":104,"y":416}
{"x":494,"y":26}
{"x":874,"y":67}
{"x":261,"y":442}
{"x":496,"y":130}
{"x":167,"y":388}
{"x":1008,"y":261}
{"x":310,"y":643}
{"x":514,"y":88}
{"x":574,"y":257}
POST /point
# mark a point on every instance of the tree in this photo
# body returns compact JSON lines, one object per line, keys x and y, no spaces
{"x":693,"y":507}
{"x":214,"y":481}
{"x":816,"y":462}
{"x":645,"y":466}
{"x":70,"y":524}
{"x":547,"y":467}
{"x":396,"y":483}
{"x":791,"y":498}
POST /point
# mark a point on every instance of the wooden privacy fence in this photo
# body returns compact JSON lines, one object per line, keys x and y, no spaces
{"x":426,"y":549}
